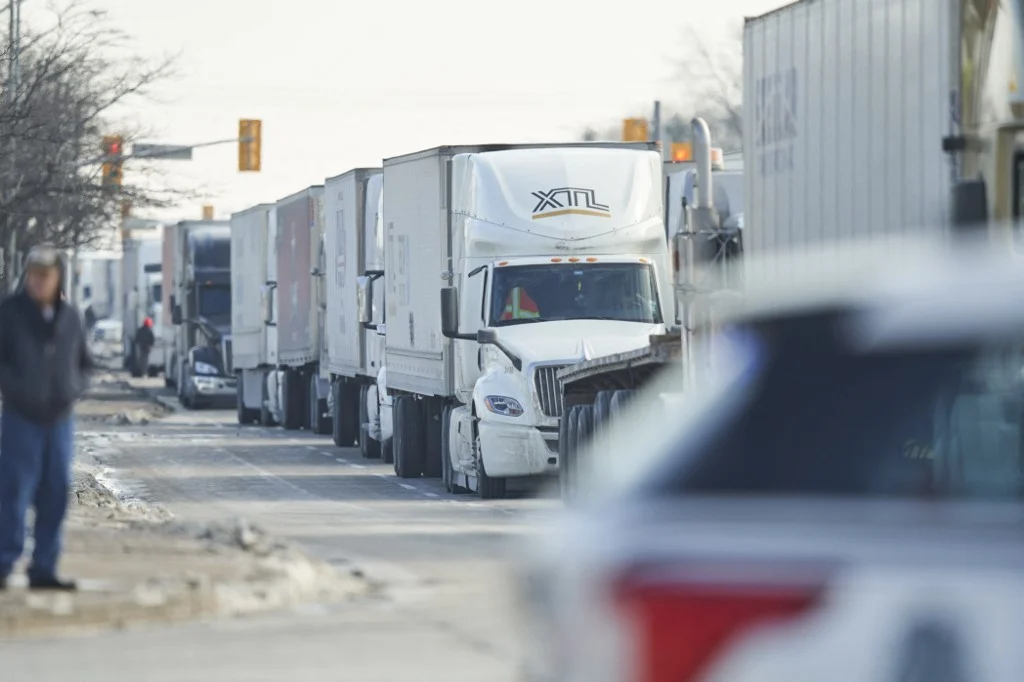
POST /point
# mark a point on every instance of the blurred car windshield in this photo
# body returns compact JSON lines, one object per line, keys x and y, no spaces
{"x":806,"y":417}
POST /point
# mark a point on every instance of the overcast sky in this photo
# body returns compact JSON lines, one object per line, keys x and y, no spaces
{"x":340,"y":84}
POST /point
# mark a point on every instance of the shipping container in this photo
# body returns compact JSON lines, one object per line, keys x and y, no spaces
{"x":249,"y":232}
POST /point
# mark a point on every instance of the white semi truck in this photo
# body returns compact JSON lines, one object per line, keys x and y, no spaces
{"x":504,"y":264}
{"x":354,"y":248}
{"x":197,"y":282}
{"x":251,"y":239}
{"x":849,"y":138}
{"x":142,"y":295}
{"x":296,"y":390}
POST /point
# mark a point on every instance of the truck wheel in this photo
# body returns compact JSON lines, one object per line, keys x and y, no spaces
{"x":292,"y":393}
{"x":348,"y":411}
{"x":152,"y":372}
{"x":447,"y":471}
{"x":183,"y":396}
{"x":266,"y":417}
{"x":408,"y":437}
{"x":246,"y":415}
{"x":369,"y":447}
{"x":602,"y":407}
{"x":433,"y":414}
{"x":584,"y":428}
{"x":490,"y":488}
{"x":319,"y":423}
{"x":387,"y":451}
{"x":566,"y":450}
{"x":619,"y":401}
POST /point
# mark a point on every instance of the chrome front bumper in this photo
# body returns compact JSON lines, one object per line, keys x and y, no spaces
{"x":215,"y":387}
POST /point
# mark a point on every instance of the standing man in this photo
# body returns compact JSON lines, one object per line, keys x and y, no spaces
{"x":144,"y":342}
{"x":44,"y":360}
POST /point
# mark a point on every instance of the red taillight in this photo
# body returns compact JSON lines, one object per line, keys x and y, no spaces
{"x":680,"y":621}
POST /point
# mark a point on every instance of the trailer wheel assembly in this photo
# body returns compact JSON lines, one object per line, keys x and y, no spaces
{"x":602,"y":407}
{"x":408,"y":437}
{"x":370,"y":448}
{"x":433,"y":418}
{"x":245,"y":414}
{"x":319,"y":422}
{"x":567,"y":450}
{"x":293,"y":393}
{"x":266,"y":417}
{"x":348,"y":413}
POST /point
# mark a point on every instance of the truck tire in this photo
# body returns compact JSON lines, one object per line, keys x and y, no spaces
{"x":408,"y":439}
{"x":566,"y":451}
{"x":319,"y":422}
{"x":619,"y":401}
{"x":584,"y":428}
{"x":447,"y":470}
{"x":602,"y":408}
{"x":266,"y":416}
{"x":369,"y":447}
{"x":347,"y":416}
{"x":566,"y":443}
{"x":245,"y":414}
{"x":433,"y":415}
{"x":488,"y":488}
{"x":292,"y":392}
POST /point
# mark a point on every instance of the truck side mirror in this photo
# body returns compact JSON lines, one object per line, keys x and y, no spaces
{"x":364,"y":300}
{"x":450,"y":312}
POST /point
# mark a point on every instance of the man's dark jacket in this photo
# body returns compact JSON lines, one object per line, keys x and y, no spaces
{"x":43,"y":364}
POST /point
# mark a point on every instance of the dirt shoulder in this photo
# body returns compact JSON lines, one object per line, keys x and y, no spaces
{"x":136,"y":564}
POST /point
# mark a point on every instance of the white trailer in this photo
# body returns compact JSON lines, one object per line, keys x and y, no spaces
{"x":354,"y":252}
{"x":871,"y":119}
{"x":542,"y":248}
{"x":142,"y":293}
{"x":250,"y":231}
{"x":301,"y":392}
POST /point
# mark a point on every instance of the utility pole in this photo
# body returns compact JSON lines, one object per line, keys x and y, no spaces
{"x":13,"y":83}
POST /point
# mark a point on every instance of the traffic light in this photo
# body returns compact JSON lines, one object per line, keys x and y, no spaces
{"x":635,"y":130}
{"x":682,"y":151}
{"x":207,"y":212}
{"x":249,"y":140}
{"x":113,"y":153}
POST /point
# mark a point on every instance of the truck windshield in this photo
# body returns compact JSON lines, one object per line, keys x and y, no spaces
{"x":214,"y":301}
{"x":574,"y":291}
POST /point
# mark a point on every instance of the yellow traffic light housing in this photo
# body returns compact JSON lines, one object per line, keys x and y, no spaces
{"x":635,"y":130}
{"x":113,"y":155}
{"x":207,"y":212}
{"x":249,"y":144}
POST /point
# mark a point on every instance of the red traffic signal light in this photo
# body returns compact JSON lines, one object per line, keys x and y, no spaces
{"x":115,"y":148}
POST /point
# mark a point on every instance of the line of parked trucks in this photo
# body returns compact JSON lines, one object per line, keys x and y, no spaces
{"x":422,"y":310}
{"x":475,"y":312}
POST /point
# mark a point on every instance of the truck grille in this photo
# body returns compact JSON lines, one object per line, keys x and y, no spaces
{"x":549,"y":389}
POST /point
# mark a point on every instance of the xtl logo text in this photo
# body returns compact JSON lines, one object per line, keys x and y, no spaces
{"x":568,"y":201}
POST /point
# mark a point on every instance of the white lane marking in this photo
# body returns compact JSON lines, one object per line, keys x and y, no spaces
{"x":407,"y":486}
{"x":356,"y":466}
{"x":431,"y":494}
{"x":263,"y":473}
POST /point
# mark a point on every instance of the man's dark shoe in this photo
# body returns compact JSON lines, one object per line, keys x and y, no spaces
{"x":52,"y":583}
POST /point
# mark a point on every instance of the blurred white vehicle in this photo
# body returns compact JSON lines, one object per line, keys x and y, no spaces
{"x":842,"y":501}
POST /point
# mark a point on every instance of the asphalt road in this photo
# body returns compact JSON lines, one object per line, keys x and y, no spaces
{"x":447,"y":611}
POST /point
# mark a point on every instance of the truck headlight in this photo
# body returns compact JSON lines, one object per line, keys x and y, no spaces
{"x":206,"y":368}
{"x":503,"y":405}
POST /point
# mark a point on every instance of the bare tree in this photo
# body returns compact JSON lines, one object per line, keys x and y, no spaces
{"x":74,"y":76}
{"x":713,"y":83}
{"x":711,"y":79}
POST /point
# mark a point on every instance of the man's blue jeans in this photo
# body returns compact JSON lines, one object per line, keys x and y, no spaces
{"x":35,"y":469}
